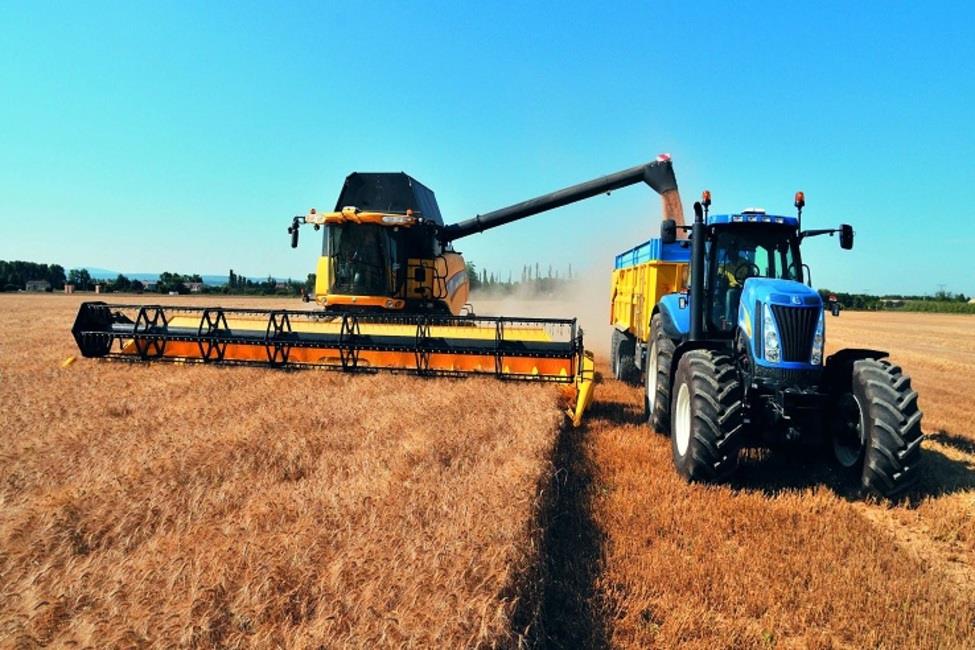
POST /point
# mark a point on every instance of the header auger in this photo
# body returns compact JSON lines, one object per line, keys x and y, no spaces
{"x":392,"y":293}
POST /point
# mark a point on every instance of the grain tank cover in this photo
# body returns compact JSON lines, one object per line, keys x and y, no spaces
{"x":389,"y":192}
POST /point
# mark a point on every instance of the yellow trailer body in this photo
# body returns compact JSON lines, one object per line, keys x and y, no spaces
{"x":641,"y":277}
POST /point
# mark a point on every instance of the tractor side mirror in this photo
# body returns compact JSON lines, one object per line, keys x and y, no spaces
{"x":668,"y":231}
{"x":846,"y":236}
{"x":293,"y":231}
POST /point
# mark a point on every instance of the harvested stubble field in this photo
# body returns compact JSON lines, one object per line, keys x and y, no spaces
{"x":198,"y":506}
{"x":786,"y":557}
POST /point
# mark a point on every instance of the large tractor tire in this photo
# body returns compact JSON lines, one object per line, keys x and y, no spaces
{"x":623,"y":360}
{"x":657,"y":382}
{"x":706,"y":416}
{"x":877,"y":429}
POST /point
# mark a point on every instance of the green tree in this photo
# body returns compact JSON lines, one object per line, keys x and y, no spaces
{"x":121,"y":283}
{"x":81,"y":279}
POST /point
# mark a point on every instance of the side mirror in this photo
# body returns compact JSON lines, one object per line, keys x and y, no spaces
{"x":846,"y":236}
{"x":294,"y":236}
{"x":668,"y":231}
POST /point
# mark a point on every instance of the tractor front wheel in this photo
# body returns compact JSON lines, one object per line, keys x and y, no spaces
{"x":706,"y":416}
{"x":876,"y":429}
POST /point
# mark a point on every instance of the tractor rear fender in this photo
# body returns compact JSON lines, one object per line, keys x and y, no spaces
{"x":838,"y":369}
{"x":676,"y":321}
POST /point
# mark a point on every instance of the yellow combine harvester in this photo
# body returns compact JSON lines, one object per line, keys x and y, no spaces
{"x":392,"y":295}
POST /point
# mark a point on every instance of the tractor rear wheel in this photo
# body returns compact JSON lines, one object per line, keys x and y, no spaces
{"x":659,"y":356}
{"x":706,"y":416}
{"x":876,"y":429}
{"x":624,"y":357}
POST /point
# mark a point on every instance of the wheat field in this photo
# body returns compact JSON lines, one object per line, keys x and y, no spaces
{"x":241,"y":507}
{"x":787,"y":556}
{"x":166,"y":506}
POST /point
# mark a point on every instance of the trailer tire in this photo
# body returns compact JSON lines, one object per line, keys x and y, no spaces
{"x":614,"y":350}
{"x":881,"y":409}
{"x":707,"y":416}
{"x":656,"y":401}
{"x":624,"y":358}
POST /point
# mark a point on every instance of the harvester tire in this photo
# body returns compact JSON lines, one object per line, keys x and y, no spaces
{"x":624,"y":358}
{"x":707,"y":416}
{"x":882,"y":410}
{"x":656,"y":401}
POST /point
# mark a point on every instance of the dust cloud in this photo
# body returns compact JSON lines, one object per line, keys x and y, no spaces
{"x":585,"y":299}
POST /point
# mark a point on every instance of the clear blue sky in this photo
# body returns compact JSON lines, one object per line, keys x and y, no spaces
{"x":137,"y":137}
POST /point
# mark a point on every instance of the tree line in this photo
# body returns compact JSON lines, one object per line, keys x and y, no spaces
{"x":939,"y":301}
{"x":15,"y":275}
{"x":533,"y":279}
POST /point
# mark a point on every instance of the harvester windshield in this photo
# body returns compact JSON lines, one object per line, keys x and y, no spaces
{"x":361,"y":257}
{"x":740,"y":252}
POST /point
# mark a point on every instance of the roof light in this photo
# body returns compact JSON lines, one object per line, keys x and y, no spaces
{"x":800,"y":200}
{"x":664,"y":157}
{"x":753,"y":211}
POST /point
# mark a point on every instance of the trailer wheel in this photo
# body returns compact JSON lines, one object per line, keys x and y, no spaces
{"x":659,"y":357}
{"x":624,"y":358}
{"x":706,"y":416}
{"x":614,"y":351}
{"x":877,"y":429}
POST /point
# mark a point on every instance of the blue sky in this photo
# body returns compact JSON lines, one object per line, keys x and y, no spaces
{"x":182,"y":137}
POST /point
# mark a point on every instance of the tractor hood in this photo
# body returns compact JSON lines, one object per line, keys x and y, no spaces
{"x":779,"y":292}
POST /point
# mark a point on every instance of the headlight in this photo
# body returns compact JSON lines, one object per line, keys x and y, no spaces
{"x":817,"y":348}
{"x":771,"y":335}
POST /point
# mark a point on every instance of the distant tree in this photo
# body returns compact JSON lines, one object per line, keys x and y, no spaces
{"x":472,"y":277}
{"x":121,"y":283}
{"x":56,"y":276}
{"x":81,"y":279}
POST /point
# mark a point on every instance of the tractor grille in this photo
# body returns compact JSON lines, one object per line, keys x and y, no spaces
{"x":797,"y":326}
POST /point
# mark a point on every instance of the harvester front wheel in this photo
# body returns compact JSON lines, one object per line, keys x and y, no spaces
{"x":659,"y":357}
{"x":706,"y":416}
{"x":877,"y":429}
{"x":624,"y":357}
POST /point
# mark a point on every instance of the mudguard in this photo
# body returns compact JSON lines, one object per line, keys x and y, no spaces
{"x":676,"y":321}
{"x":838,"y":368}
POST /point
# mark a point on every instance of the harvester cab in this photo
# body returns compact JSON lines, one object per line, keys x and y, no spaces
{"x":732,"y":352}
{"x":392,"y":293}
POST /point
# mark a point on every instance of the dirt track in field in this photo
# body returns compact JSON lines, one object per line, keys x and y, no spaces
{"x":241,"y":507}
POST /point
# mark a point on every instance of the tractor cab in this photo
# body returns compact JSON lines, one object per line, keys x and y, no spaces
{"x":744,"y":246}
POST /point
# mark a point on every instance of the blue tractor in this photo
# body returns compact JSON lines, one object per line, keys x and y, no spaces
{"x":738,"y":359}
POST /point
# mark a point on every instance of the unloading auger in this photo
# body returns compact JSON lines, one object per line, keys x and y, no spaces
{"x":391,"y":294}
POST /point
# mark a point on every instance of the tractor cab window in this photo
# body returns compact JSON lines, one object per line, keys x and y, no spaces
{"x":361,"y":258}
{"x":739,"y":252}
